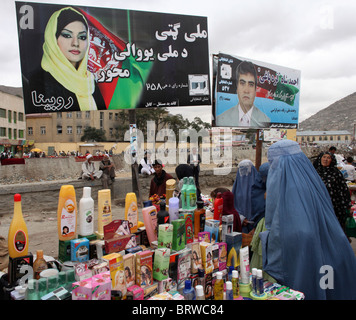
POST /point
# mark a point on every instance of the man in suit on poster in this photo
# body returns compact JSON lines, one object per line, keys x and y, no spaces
{"x":245,"y":113}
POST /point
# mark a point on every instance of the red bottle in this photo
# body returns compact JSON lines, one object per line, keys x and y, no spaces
{"x":218,"y":207}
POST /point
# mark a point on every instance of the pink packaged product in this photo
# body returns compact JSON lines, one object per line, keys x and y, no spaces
{"x":101,"y":286}
{"x":82,"y":290}
{"x":222,"y":255}
{"x":134,"y":293}
{"x":204,"y":236}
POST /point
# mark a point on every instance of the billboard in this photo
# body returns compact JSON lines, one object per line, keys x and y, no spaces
{"x":76,"y":58}
{"x":254,"y":94}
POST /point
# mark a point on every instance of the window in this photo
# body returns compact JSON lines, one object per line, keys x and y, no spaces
{"x":2,"y":132}
{"x":30,"y":131}
{"x":21,"y":134}
{"x":43,"y":130}
{"x":110,"y":115}
{"x":15,"y":134}
{"x":15,"y":117}
{"x":116,"y":116}
{"x":69,"y":115}
{"x":20,"y":116}
{"x":79,"y":114}
{"x":9,"y":114}
{"x":111,"y":131}
{"x":69,"y":129}
{"x":101,"y":120}
{"x":9,"y":133}
{"x":79,"y":129}
{"x":59,"y":129}
{"x":346,"y":138}
{"x":2,"y":113}
{"x":87,"y":114}
{"x":331,"y":138}
{"x":59,"y":115}
{"x":320,"y":138}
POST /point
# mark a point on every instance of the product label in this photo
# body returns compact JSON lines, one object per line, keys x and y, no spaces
{"x":106,"y":210}
{"x":20,"y":241}
{"x":132,"y":215}
{"x":68,"y":219}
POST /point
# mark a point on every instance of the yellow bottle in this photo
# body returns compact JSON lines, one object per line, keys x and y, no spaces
{"x":131,"y":213}
{"x":104,"y":211}
{"x":219,"y":287}
{"x":18,"y":235}
{"x":67,"y":213}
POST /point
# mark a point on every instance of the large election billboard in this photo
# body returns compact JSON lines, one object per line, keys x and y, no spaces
{"x":76,"y":58}
{"x":254,"y":94}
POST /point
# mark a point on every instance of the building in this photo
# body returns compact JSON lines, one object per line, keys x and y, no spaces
{"x":324,"y":137}
{"x":12,"y":121}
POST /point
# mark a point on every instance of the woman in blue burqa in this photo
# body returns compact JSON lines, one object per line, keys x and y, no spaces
{"x":304,"y":246}
{"x":245,"y":178}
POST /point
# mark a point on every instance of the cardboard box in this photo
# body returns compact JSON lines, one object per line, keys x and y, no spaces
{"x":233,"y":242}
{"x":130,"y":269}
{"x":101,"y":286}
{"x":64,"y":250}
{"x":204,"y":236}
{"x":178,"y":242}
{"x":117,"y":273}
{"x":196,"y":257}
{"x":165,"y":236}
{"x":14,"y":267}
{"x":227,"y":226}
{"x":144,"y":274}
{"x":222,"y":256}
{"x":212,"y":226}
{"x":135,"y":293}
{"x":207,"y":256}
{"x":79,"y":249}
{"x":161,"y":264}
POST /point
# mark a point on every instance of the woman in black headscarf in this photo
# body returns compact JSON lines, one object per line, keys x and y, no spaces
{"x":336,"y":185}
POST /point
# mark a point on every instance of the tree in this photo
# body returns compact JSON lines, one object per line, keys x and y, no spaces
{"x":93,"y":134}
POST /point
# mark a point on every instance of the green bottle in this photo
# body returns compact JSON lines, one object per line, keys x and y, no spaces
{"x":42,"y":287}
{"x":191,"y":195}
{"x":183,"y":193}
{"x":32,"y":291}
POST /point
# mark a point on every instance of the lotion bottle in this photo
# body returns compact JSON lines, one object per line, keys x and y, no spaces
{"x":200,"y":295}
{"x":150,"y":220}
{"x":18,"y":234}
{"x":235,"y":284}
{"x":218,"y":207}
{"x":104,"y":210}
{"x":86,"y":213}
{"x":219,"y":287}
{"x":131,"y":213}
{"x":67,"y":213}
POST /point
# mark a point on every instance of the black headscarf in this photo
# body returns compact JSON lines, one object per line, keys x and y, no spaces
{"x":337,"y":187}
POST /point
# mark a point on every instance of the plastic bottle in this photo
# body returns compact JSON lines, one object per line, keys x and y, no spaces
{"x":86,"y":213}
{"x":229,"y":274}
{"x":201,"y":277}
{"x":218,"y":207}
{"x":235,"y":284}
{"x":42,"y":287}
{"x":199,"y":218}
{"x":162,"y":214}
{"x":191,"y":194}
{"x":18,"y":234}
{"x":39,"y":264}
{"x":259,"y":283}
{"x":67,"y":213}
{"x":188,"y":291}
{"x":104,"y":210}
{"x":173,"y":208}
{"x":131,"y":213}
{"x":150,"y":220}
{"x":52,"y":283}
{"x":229,"y":292}
{"x":69,"y":279}
{"x":254,"y":280}
{"x":183,"y":194}
{"x":200,"y":295}
{"x":219,"y":287}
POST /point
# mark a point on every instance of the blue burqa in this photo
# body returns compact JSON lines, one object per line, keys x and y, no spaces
{"x":304,"y":246}
{"x":245,"y":177}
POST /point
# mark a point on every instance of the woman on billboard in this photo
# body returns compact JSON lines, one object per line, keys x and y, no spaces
{"x":64,"y":74}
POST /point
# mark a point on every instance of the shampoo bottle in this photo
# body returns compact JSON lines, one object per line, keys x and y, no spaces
{"x":18,"y":235}
{"x":199,"y":218}
{"x":150,"y":220}
{"x":218,"y":207}
{"x":86,"y":213}
{"x":219,"y":287}
{"x":183,"y":194}
{"x":104,"y":210}
{"x":200,"y":295}
{"x":259,"y":283}
{"x":39,"y":264}
{"x":173,"y":208}
{"x":131,"y":213}
{"x":235,"y":284}
{"x":162,"y":215}
{"x":229,"y":292}
{"x":191,"y":194}
{"x":254,"y":280}
{"x":188,"y":291}
{"x":67,"y":213}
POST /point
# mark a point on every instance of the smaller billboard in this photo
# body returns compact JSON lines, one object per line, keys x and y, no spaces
{"x":255,"y":94}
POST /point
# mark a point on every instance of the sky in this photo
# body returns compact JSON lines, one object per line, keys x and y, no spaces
{"x":316,"y":37}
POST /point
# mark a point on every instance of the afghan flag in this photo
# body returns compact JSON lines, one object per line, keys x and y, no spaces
{"x":271,"y":85}
{"x":121,"y":81}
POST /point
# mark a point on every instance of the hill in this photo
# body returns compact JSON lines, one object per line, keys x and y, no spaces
{"x":341,"y":115}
